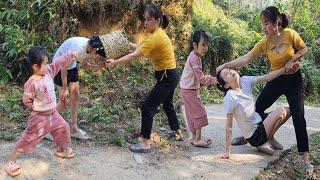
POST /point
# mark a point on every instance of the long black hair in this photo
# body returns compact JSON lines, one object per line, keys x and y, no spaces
{"x":95,"y":43}
{"x":221,"y":83}
{"x":272,"y":14}
{"x":35,"y":56}
{"x":155,"y":12}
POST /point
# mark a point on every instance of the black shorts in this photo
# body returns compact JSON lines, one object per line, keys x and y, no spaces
{"x":73,"y":76}
{"x":259,"y":137}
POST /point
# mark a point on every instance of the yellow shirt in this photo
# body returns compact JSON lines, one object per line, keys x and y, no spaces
{"x":291,"y":42}
{"x":158,"y":47}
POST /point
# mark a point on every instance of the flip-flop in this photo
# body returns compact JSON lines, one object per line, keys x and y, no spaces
{"x":208,"y":140}
{"x":13,"y":169}
{"x":66,"y":153}
{"x":80,"y":134}
{"x":137,"y":148}
{"x":201,"y":143}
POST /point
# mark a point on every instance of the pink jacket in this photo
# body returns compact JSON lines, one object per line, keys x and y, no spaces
{"x":39,"y":94}
{"x":192,"y":75}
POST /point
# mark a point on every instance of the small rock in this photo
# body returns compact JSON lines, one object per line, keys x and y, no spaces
{"x":279,"y":172}
{"x":138,"y":158}
{"x":162,"y":129}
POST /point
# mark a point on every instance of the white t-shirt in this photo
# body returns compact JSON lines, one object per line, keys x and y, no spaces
{"x":242,"y":105}
{"x":73,"y":44}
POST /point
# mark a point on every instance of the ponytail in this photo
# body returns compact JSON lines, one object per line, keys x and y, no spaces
{"x":165,"y":21}
{"x":26,"y":68}
{"x":155,"y":12}
{"x":284,"y":20}
{"x":272,"y":14}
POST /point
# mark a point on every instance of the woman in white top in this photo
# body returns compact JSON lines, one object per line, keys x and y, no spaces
{"x":68,"y":78}
{"x":239,"y":104}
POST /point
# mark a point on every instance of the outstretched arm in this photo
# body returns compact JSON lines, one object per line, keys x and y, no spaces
{"x":270,"y":76}
{"x":195,"y":64}
{"x":226,"y":155}
{"x":237,"y":63}
{"x":135,"y":55}
{"x":92,"y":67}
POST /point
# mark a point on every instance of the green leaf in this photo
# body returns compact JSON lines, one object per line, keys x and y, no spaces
{"x":39,"y":2}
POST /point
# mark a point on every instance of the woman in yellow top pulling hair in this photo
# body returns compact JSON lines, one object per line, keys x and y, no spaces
{"x":283,"y":47}
{"x":158,"y":47}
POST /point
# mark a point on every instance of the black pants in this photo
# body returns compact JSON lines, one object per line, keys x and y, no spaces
{"x":162,"y":92}
{"x":291,"y":87}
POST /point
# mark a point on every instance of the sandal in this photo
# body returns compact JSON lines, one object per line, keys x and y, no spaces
{"x":206,"y":139}
{"x":201,"y":143}
{"x":13,"y":168}
{"x":137,"y":148}
{"x":65,"y":153}
{"x":80,"y":134}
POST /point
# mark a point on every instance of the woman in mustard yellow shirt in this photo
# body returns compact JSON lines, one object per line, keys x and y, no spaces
{"x":283,"y":47}
{"x":158,"y":47}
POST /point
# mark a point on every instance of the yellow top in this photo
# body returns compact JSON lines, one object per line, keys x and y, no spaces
{"x":278,"y":58}
{"x":158,"y":47}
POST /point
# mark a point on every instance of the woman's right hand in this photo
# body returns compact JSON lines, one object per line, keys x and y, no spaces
{"x":64,"y":95}
{"x":110,"y":64}
{"x":219,"y":68}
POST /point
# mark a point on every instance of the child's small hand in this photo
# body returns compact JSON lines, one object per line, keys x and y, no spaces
{"x":223,"y":156}
{"x":214,"y":80}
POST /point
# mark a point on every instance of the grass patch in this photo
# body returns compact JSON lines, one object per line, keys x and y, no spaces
{"x":288,"y":164}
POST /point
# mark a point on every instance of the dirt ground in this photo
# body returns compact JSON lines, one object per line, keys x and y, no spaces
{"x":171,"y":160}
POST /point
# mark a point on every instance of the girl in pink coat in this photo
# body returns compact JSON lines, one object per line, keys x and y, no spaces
{"x":39,"y":96}
{"x":191,"y":78}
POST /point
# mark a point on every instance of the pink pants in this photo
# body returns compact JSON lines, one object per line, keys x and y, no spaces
{"x":39,"y":124}
{"x":195,"y":111}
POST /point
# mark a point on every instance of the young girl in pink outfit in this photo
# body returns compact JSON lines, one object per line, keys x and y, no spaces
{"x":191,"y":78}
{"x":39,"y":96}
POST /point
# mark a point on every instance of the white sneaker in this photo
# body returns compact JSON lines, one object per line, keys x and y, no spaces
{"x":80,"y":134}
{"x":266,"y":148}
{"x":275,"y":144}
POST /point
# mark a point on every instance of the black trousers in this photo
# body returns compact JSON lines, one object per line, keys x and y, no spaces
{"x":162,"y":92}
{"x":291,"y":87}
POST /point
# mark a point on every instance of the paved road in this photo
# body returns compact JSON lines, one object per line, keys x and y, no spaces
{"x":193,"y":163}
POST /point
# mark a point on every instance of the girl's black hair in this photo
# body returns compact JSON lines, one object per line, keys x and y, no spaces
{"x":221,"y":83}
{"x":273,"y":14}
{"x":155,"y":12}
{"x":95,"y":43}
{"x":34,"y":56}
{"x":197,"y":36}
